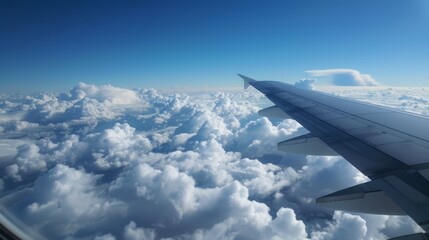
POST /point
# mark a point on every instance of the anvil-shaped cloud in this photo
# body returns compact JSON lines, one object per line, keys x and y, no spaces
{"x":345,"y":77}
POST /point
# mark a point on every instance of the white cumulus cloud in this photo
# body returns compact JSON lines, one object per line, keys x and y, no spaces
{"x":104,"y":93}
{"x":307,"y":83}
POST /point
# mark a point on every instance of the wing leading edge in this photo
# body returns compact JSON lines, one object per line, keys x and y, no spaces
{"x":391,"y":147}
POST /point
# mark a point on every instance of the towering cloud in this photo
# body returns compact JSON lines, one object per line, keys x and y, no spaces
{"x":345,"y":77}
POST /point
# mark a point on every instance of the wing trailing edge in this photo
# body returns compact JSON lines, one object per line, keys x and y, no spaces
{"x":306,"y":144}
{"x":414,"y":236}
{"x":273,"y":112}
{"x":363,"y":198}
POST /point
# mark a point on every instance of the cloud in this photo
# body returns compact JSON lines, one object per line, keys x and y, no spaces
{"x":114,"y":95}
{"x":65,"y":199}
{"x":33,"y":158}
{"x":285,"y":225}
{"x":260,"y":136}
{"x":105,"y":237}
{"x":131,"y":232}
{"x":345,"y":77}
{"x":345,"y":224}
{"x":412,"y":102}
{"x":180,"y":201}
{"x":307,"y":83}
{"x":27,"y":161}
{"x":118,"y":146}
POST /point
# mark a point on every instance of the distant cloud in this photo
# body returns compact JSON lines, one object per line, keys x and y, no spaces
{"x":345,"y":77}
{"x":306,"y":83}
{"x":115,"y":95}
{"x":413,"y":99}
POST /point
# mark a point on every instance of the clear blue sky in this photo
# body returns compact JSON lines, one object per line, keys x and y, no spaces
{"x":52,"y":45}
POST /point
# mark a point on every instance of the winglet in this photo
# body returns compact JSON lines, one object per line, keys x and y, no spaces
{"x":247,"y":81}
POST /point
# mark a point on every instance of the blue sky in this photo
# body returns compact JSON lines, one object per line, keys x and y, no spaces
{"x":52,"y":45}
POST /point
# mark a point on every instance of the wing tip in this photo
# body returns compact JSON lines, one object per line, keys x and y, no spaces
{"x":247,"y":80}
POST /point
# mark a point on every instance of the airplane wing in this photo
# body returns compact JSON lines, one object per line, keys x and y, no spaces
{"x":391,"y":147}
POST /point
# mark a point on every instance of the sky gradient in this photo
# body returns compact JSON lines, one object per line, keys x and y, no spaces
{"x":53,"y":45}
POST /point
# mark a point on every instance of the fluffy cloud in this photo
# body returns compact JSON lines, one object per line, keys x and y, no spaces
{"x":307,"y":83}
{"x":285,"y":225}
{"x":115,"y":95}
{"x":65,"y":199}
{"x":34,"y":158}
{"x":345,"y":224}
{"x":102,"y":162}
{"x":260,"y":137}
{"x":345,"y":77}
{"x":118,"y":146}
{"x":132,"y":232}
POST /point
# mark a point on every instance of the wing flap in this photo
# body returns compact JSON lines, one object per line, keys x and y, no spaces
{"x":414,"y":236}
{"x":306,"y":144}
{"x":364,"y":198}
{"x":273,"y":112}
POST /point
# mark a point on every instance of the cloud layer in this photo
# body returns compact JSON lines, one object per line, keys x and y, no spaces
{"x":345,"y":77}
{"x":102,"y":162}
